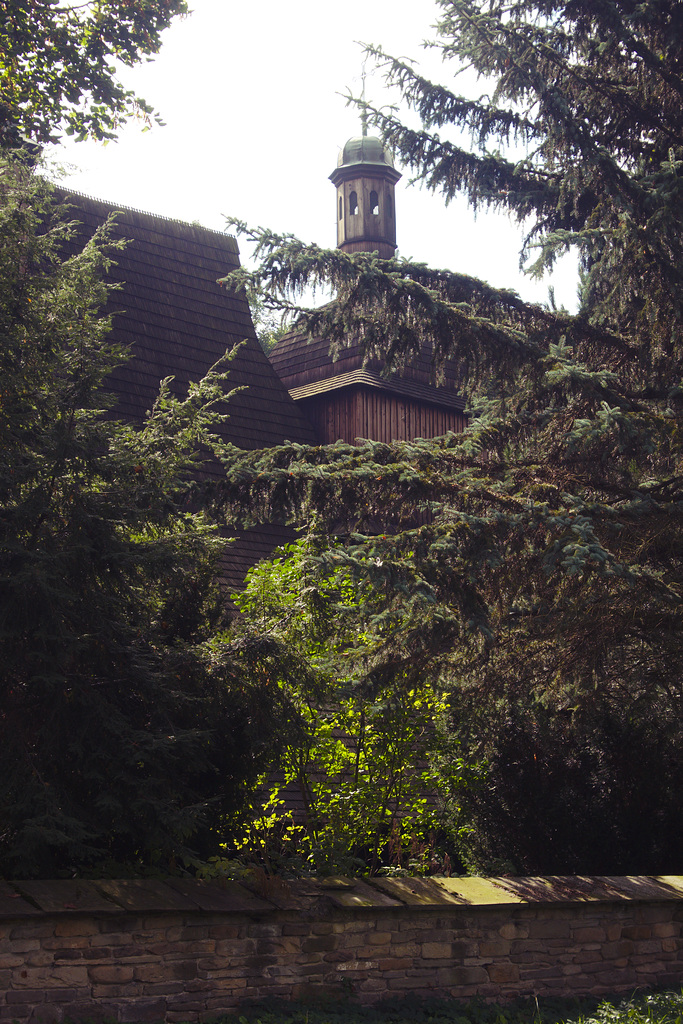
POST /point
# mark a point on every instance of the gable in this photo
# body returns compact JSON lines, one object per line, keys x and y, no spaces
{"x":179,"y":321}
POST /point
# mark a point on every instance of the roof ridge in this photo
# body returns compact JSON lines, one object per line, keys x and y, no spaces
{"x":145,"y":213}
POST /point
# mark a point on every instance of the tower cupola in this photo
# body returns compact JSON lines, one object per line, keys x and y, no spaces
{"x":365,"y":177}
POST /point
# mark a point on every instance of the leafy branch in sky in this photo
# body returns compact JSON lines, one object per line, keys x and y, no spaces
{"x":59,"y":64}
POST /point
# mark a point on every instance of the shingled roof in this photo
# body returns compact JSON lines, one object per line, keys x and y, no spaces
{"x":179,"y":321}
{"x":306,"y":368}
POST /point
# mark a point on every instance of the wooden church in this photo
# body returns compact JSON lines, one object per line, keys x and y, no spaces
{"x":169,"y":309}
{"x":348,"y":398}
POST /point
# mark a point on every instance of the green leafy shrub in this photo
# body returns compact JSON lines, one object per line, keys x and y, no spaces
{"x":358,"y":750}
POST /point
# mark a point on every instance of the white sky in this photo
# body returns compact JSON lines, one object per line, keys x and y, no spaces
{"x":254,"y":123}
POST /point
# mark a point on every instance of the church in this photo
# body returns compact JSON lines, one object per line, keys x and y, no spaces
{"x":349,"y":398}
{"x":177,"y":321}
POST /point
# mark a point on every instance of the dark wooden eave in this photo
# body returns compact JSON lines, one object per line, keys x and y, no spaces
{"x":349,"y":397}
{"x":403,"y":386}
{"x":302,"y":363}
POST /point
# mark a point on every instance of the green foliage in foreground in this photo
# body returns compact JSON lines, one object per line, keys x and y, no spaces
{"x":360,"y":753}
{"x":126,"y":726}
{"x":541,"y":580}
{"x":653,"y":1008}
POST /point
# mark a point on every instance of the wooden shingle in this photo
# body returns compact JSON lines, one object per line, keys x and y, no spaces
{"x":178,"y":321}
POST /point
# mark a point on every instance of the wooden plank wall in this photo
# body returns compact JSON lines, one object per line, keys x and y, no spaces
{"x":377,"y":415}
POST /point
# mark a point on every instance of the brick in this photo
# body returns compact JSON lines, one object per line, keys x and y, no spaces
{"x":184,"y":1009}
{"x":204,"y":946}
{"x":458,"y":976}
{"x":76,"y":926}
{"x":98,"y":953}
{"x":14,"y":1013}
{"x":494,"y":948}
{"x":160,"y":971}
{"x":284,"y":947}
{"x":319,"y":944}
{"x":310,"y":992}
{"x":400,"y":983}
{"x":358,"y":965}
{"x":31,"y":930}
{"x":198,"y":985}
{"x":101,"y":992}
{"x":513,"y":931}
{"x":24,"y":945}
{"x":46,"y":1013}
{"x":651,"y":946}
{"x":120,"y":924}
{"x":134,"y":951}
{"x":26,"y":995}
{"x":110,"y":974}
{"x":67,"y":947}
{"x":651,"y":967}
{"x":92,"y":1012}
{"x":665,"y":929}
{"x":436,"y":935}
{"x":614,"y":950}
{"x":437,"y":951}
{"x":294,"y":928}
{"x":322,"y":928}
{"x":142,"y":1010}
{"x":41,"y":958}
{"x":373,"y":985}
{"x":589,"y":935}
{"x":61,"y":976}
{"x":403,"y":949}
{"x":397,"y":964}
{"x":225,"y":931}
{"x":111,"y":938}
{"x":66,"y":995}
{"x":259,"y":962}
{"x":9,"y":962}
{"x":265,"y":931}
{"x":503,"y":974}
{"x":549,"y":930}
{"x":650,"y":915}
{"x":234,"y":947}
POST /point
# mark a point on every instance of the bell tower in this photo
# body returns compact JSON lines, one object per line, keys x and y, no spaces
{"x":365,"y":177}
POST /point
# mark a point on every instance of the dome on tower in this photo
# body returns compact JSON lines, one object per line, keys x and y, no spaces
{"x":365,"y":149}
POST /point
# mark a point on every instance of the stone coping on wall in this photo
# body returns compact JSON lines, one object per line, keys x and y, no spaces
{"x":181,"y":950}
{"x":263,"y":896}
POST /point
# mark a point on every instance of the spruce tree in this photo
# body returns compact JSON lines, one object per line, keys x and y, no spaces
{"x":542,"y":584}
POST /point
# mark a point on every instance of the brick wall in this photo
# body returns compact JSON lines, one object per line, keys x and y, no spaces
{"x":186,"y":951}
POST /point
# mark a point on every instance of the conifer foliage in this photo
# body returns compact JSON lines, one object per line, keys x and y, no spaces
{"x":543,"y":581}
{"x":126,"y":728}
